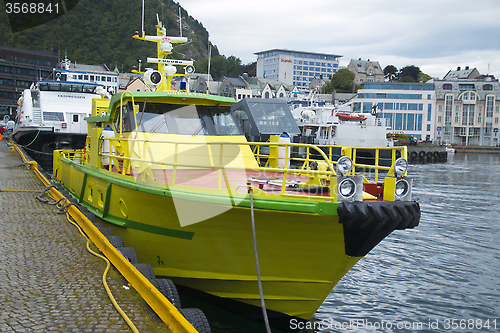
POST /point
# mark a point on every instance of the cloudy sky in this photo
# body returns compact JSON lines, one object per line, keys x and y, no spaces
{"x":435,"y":35}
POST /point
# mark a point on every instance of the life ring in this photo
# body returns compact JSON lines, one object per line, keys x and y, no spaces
{"x":421,"y":154}
{"x":413,"y":155}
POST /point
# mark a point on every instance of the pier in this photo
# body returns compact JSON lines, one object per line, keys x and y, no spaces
{"x":49,"y":282}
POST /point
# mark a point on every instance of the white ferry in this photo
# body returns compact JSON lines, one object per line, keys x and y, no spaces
{"x":51,"y":113}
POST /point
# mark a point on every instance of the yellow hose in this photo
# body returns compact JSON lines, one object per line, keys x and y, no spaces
{"x":108,"y":265}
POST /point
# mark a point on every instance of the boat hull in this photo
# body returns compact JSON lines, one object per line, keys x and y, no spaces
{"x":301,"y":254}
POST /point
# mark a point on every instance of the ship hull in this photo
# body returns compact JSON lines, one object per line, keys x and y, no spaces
{"x":300,"y":246}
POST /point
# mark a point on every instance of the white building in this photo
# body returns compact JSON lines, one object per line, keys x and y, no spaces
{"x":468,"y":108}
{"x":295,"y":67}
{"x":366,"y":71}
{"x":408,"y":108}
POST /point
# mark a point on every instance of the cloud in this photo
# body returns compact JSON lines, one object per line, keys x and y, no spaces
{"x":446,"y":32}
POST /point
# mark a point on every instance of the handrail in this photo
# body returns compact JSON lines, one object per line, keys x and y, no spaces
{"x":223,"y":181}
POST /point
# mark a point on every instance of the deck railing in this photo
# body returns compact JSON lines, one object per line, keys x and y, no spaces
{"x":313,"y":161}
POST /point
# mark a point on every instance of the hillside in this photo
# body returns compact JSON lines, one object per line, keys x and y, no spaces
{"x":100,"y":32}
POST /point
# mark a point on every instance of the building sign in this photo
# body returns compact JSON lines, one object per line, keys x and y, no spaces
{"x":286,"y":60}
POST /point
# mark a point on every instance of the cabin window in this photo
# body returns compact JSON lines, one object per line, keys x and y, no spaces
{"x":53,"y":116}
{"x":179,"y":119}
{"x":75,"y":118}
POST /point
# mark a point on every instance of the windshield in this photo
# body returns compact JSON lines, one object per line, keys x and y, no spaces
{"x":179,"y":119}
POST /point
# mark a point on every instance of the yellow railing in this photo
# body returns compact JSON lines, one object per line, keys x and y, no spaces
{"x":303,"y":164}
{"x":374,"y":171}
{"x":216,"y":164}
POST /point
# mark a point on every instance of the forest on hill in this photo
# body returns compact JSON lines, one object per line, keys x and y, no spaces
{"x":100,"y":32}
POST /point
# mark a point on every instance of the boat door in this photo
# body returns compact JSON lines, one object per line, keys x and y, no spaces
{"x":76,"y":123}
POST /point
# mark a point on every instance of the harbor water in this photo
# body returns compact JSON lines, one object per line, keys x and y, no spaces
{"x":442,"y":276}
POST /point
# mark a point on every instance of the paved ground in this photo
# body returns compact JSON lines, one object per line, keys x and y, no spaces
{"x":48,"y":280}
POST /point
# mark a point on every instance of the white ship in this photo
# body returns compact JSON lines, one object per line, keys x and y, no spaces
{"x":51,"y":113}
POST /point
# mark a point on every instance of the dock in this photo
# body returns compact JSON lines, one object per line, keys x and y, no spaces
{"x":49,"y":282}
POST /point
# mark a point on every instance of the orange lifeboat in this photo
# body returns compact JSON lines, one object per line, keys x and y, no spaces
{"x":348,"y":117}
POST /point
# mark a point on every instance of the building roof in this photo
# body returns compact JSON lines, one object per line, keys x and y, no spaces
{"x":89,"y":68}
{"x":462,"y":74}
{"x":10,"y":50}
{"x":292,"y":52}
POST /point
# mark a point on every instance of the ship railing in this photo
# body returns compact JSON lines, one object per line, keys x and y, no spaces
{"x":373,"y":163}
{"x":318,"y":163}
{"x":120,"y":160}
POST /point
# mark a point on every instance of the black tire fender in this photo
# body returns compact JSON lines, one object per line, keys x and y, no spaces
{"x":196,"y":318}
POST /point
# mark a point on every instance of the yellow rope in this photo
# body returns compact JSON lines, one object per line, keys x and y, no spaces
{"x":20,"y":191}
{"x":108,"y":265}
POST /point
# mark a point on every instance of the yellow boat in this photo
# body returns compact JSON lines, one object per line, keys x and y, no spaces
{"x":177,"y":180}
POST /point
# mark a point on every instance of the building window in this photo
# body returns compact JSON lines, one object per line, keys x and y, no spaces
{"x":428,"y":127}
{"x":490,"y":100}
{"x":464,"y":87}
{"x":487,"y":87}
{"x":447,"y":86}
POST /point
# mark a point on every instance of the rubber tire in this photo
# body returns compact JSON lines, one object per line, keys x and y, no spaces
{"x":106,"y":232}
{"x":146,"y":270}
{"x":129,"y":253}
{"x":197,"y":318}
{"x":436,"y":155}
{"x":413,"y":155}
{"x":377,"y":215}
{"x":421,"y":154}
{"x":116,"y":241}
{"x":429,"y":155}
{"x":168,"y":289}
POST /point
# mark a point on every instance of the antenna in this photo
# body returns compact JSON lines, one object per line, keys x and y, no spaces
{"x":209,"y":57}
{"x":180,"y":22}
{"x":143,"y":18}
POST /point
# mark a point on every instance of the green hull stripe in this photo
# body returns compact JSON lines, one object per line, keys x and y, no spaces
{"x":141,"y":226}
{"x":107,"y":200}
{"x":300,"y":206}
{"x":82,"y":192}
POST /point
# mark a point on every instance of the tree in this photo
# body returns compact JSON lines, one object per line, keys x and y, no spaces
{"x":407,"y":78}
{"x":411,"y":71}
{"x":422,"y":77}
{"x":341,"y":81}
{"x":390,"y":72}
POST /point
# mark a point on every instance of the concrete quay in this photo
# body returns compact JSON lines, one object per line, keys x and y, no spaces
{"x":48,"y":280}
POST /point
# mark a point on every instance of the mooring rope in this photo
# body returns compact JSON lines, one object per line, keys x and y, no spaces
{"x":259,"y":281}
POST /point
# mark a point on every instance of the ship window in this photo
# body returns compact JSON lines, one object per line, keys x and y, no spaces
{"x":75,"y":118}
{"x":88,"y":89}
{"x":53,"y":116}
{"x":180,"y":119}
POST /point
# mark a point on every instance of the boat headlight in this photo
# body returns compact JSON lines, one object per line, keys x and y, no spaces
{"x":402,"y":188}
{"x":344,"y":165}
{"x":347,"y":188}
{"x":189,"y":69}
{"x":400,"y":166}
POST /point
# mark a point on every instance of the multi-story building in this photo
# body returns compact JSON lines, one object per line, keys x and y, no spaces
{"x":18,"y":70}
{"x":468,"y":108}
{"x":366,"y":71}
{"x":295,"y":67}
{"x":408,"y":108}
